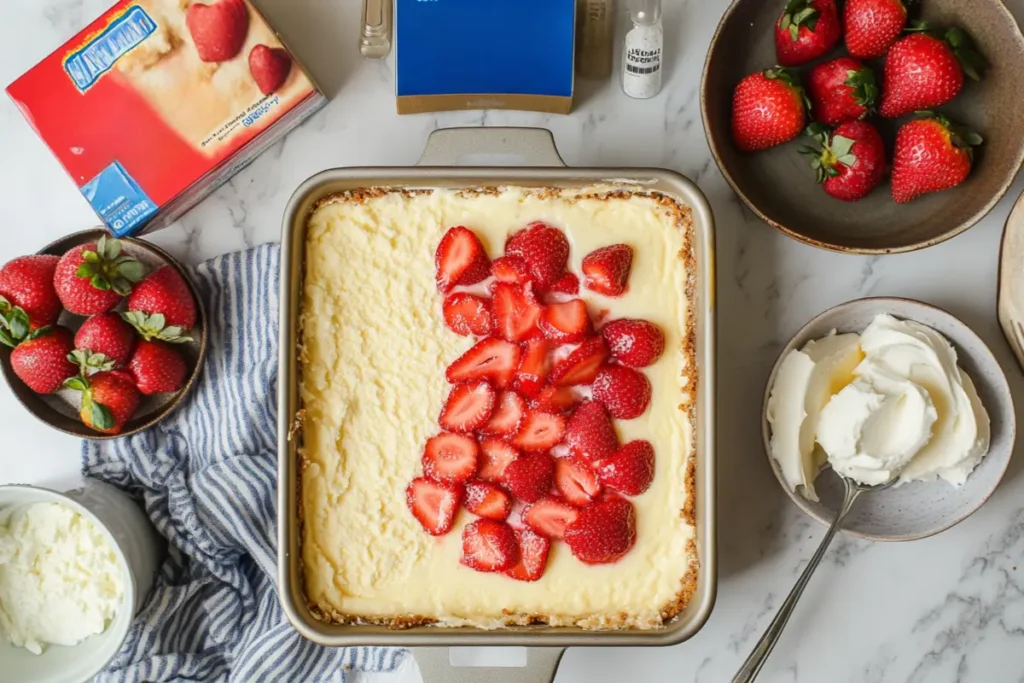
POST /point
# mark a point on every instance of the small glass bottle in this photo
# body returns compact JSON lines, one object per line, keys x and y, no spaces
{"x":641,"y":56}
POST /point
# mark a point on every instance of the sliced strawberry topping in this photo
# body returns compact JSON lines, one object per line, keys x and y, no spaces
{"x":534,"y":367}
{"x":544,"y":249}
{"x":566,"y":322}
{"x":489,"y":546}
{"x":433,"y":504}
{"x":450,"y":458}
{"x":590,"y":433}
{"x":492,"y":359}
{"x":468,"y":314}
{"x":603,"y":532}
{"x":507,"y":415}
{"x":555,"y":400}
{"x":630,"y":470}
{"x":624,"y":391}
{"x":576,"y":480}
{"x":529,"y":476}
{"x":549,"y":517}
{"x":516,"y":311}
{"x":460,"y":259}
{"x":539,"y":431}
{"x":607,"y":269}
{"x":636,"y":343}
{"x":511,"y":269}
{"x":581,"y":366}
{"x":485,"y":499}
{"x":469,"y":406}
{"x":567,"y":284}
{"x":533,"y":556}
{"x":495,"y":455}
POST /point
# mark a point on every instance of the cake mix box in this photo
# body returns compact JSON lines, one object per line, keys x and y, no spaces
{"x":158,"y":102}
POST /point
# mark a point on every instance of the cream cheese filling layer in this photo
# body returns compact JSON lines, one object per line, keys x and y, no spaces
{"x":373,"y":357}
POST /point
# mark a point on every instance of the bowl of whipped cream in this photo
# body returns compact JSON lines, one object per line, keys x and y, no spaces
{"x":75,"y":568}
{"x":887,"y":389}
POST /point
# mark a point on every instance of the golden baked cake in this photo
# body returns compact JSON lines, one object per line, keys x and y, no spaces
{"x":497,"y":390}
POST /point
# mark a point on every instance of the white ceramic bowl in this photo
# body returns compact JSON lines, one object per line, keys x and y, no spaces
{"x":918,"y":509}
{"x":140,"y":550}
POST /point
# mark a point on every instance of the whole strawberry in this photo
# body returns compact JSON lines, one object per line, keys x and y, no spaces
{"x":107,"y":336}
{"x":157,"y":367}
{"x":165,"y":292}
{"x":841,"y":90}
{"x":924,"y":71}
{"x":92,"y":278}
{"x":768,"y":108}
{"x":872,"y":26}
{"x":931,"y":155}
{"x":27,"y":283}
{"x":109,"y":399}
{"x":41,"y":360}
{"x":851,"y":161}
{"x":806,"y":30}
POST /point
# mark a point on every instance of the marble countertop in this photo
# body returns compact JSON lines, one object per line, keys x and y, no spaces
{"x":953,"y":605}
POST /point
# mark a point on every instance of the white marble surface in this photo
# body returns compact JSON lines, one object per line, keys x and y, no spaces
{"x":946,"y":609}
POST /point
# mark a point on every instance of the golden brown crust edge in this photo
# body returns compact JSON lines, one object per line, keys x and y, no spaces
{"x":683,"y":218}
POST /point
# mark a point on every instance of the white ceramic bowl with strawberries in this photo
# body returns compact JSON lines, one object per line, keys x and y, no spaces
{"x":103,"y":338}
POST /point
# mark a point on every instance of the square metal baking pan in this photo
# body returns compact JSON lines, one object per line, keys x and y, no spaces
{"x":437,"y":169}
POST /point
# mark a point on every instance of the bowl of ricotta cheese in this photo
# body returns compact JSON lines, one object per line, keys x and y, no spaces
{"x":886,"y":388}
{"x":74,"y":569}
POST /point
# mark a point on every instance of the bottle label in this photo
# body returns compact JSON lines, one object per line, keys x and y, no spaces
{"x":643,"y":61}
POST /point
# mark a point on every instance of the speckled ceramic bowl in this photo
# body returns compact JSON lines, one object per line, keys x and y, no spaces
{"x":918,"y":509}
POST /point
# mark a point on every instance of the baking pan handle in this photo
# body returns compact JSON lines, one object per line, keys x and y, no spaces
{"x":466,"y":146}
{"x":541,"y":665}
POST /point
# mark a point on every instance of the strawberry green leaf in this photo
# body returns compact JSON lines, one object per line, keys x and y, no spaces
{"x":121,"y":286}
{"x":6,"y":339}
{"x":90,"y":256}
{"x":973,"y":139}
{"x":841,"y":145}
{"x":85,"y":270}
{"x":18,"y":323}
{"x":41,"y":332}
{"x":794,"y":32}
{"x":101,"y":416}
{"x":100,"y":282}
{"x":131,"y":270}
{"x":157,"y":321}
{"x":973,"y":64}
{"x":76,"y":383}
{"x":112,"y":248}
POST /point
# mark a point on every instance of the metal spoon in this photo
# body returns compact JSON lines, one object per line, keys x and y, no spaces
{"x":748,"y":672}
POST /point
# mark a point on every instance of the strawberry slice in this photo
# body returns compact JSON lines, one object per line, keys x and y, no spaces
{"x":625,"y":392}
{"x":581,"y":366}
{"x":549,"y":517}
{"x":495,"y":455}
{"x":533,"y":556}
{"x":533,"y":368}
{"x":469,"y":406}
{"x":630,"y":470}
{"x":544,"y":249}
{"x":636,"y":343}
{"x":489,"y":546}
{"x":590,"y":433}
{"x":485,"y":499}
{"x":555,"y":400}
{"x":434,"y":505}
{"x":566,"y":322}
{"x":468,"y":314}
{"x":539,"y":431}
{"x":567,"y":284}
{"x":516,"y":311}
{"x":606,"y":270}
{"x":491,"y":359}
{"x":577,"y":481}
{"x":507,"y":415}
{"x":450,"y":458}
{"x":529,"y":476}
{"x":511,"y":269}
{"x":603,"y":532}
{"x":460,"y":259}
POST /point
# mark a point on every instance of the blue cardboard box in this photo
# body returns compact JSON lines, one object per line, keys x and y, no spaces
{"x":484,"y":54}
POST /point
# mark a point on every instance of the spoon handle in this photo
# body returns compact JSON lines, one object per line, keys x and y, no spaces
{"x":748,"y":672}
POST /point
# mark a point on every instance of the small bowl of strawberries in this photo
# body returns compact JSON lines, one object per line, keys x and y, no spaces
{"x":100,"y":337}
{"x":903,"y":112}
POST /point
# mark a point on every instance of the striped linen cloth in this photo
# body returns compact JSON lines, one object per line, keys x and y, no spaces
{"x":207,"y":475}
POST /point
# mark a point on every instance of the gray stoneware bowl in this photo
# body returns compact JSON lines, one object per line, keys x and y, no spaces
{"x":778,"y":185}
{"x":918,"y":509}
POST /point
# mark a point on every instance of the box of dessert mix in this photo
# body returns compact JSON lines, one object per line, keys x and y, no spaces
{"x":499,"y":54}
{"x":156,"y":103}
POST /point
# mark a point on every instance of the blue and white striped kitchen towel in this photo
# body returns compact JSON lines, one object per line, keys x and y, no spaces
{"x":207,"y":475}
